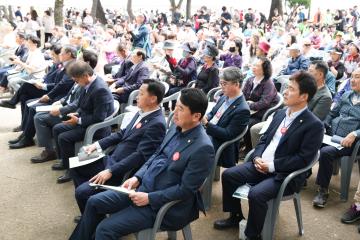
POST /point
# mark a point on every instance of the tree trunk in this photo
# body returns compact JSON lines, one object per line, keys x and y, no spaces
{"x":275,"y":4}
{"x":58,"y":12}
{"x":188,"y":9}
{"x":4,"y":11}
{"x":174,"y":6}
{"x":11,"y":13}
{"x":129,"y":10}
{"x":97,"y":12}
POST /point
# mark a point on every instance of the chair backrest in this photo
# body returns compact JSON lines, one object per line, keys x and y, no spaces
{"x":274,"y":108}
{"x":132,"y":97}
{"x":191,"y":84}
{"x":169,"y":121}
{"x":115,"y":112}
{"x":211,"y":93}
{"x":165,"y":85}
{"x":217,"y":94}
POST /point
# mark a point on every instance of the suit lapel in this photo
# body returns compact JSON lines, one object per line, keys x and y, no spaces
{"x":143,"y":122}
{"x":231,"y":107}
{"x":130,"y":125}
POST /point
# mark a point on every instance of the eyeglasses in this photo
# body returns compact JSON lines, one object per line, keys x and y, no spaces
{"x":224,"y":83}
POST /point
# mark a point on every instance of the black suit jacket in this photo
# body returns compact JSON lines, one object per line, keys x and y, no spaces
{"x":124,"y":69}
{"x":134,"y":145}
{"x":94,"y":105}
{"x":134,"y":78}
{"x":62,"y":87}
{"x":233,"y":121}
{"x":181,"y":179}
{"x":297,"y":148}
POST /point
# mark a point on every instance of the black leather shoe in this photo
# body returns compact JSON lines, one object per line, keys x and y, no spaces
{"x":64,"y":178}
{"x":231,"y":222}
{"x":77,"y":219}
{"x":7,"y":104}
{"x":16,"y":140}
{"x":24,"y":142}
{"x":58,"y":166}
{"x":46,"y":155}
{"x":17,"y":129}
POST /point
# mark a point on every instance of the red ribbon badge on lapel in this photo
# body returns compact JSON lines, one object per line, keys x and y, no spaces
{"x":138,"y":125}
{"x":176,"y":156}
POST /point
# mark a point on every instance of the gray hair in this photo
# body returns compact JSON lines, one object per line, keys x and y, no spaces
{"x":232,"y":74}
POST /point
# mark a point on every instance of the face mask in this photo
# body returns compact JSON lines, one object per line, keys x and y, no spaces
{"x":184,"y":54}
{"x":232,"y":49}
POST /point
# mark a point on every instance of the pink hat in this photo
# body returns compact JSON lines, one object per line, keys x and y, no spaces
{"x":264,"y":46}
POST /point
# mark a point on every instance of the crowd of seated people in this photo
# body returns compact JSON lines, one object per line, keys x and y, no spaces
{"x":76,"y":78}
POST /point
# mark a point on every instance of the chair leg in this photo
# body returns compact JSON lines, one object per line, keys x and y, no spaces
{"x":267,"y":232}
{"x":171,"y":235}
{"x":217,"y":174}
{"x":346,"y":168}
{"x":206,"y":195}
{"x":144,"y":234}
{"x":297,"y":205}
{"x":336,"y":167}
{"x":187,"y":232}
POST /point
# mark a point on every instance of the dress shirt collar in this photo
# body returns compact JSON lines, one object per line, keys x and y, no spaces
{"x":144,"y":114}
{"x":89,"y":84}
{"x":230,"y":101}
{"x":187,"y":132}
{"x":294,"y":115}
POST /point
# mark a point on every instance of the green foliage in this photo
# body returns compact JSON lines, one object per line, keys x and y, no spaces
{"x":295,"y":3}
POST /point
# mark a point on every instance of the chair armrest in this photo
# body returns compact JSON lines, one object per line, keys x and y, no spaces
{"x":211,"y":93}
{"x":292,"y":175}
{"x":355,"y":150}
{"x":227,"y":143}
{"x":90,"y":131}
{"x":160,"y":215}
{"x":247,"y":157}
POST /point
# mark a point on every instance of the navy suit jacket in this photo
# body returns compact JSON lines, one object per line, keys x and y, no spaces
{"x":124,"y":68}
{"x":22,"y":52}
{"x":93,"y":106}
{"x":233,"y":121}
{"x":134,"y":145}
{"x":296,"y":149}
{"x":62,"y":86}
{"x":181,"y":179}
{"x":134,"y":78}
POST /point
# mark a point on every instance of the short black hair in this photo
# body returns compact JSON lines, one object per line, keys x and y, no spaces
{"x":306,"y":82}
{"x":266,"y":67}
{"x":321,"y":66}
{"x":140,"y":53}
{"x":56,"y":48}
{"x":195,"y":99}
{"x":79,"y":68}
{"x":34,"y":39}
{"x":155,"y":88}
{"x":90,"y":57}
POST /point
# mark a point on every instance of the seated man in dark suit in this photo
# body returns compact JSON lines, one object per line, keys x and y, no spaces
{"x":290,"y":143}
{"x":45,"y":121}
{"x":134,"y":145}
{"x":30,"y":91}
{"x":93,"y":106}
{"x":124,"y":65}
{"x":229,"y":117}
{"x":59,"y":89}
{"x":343,"y":121}
{"x":133,"y":79}
{"x":175,"y":172}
